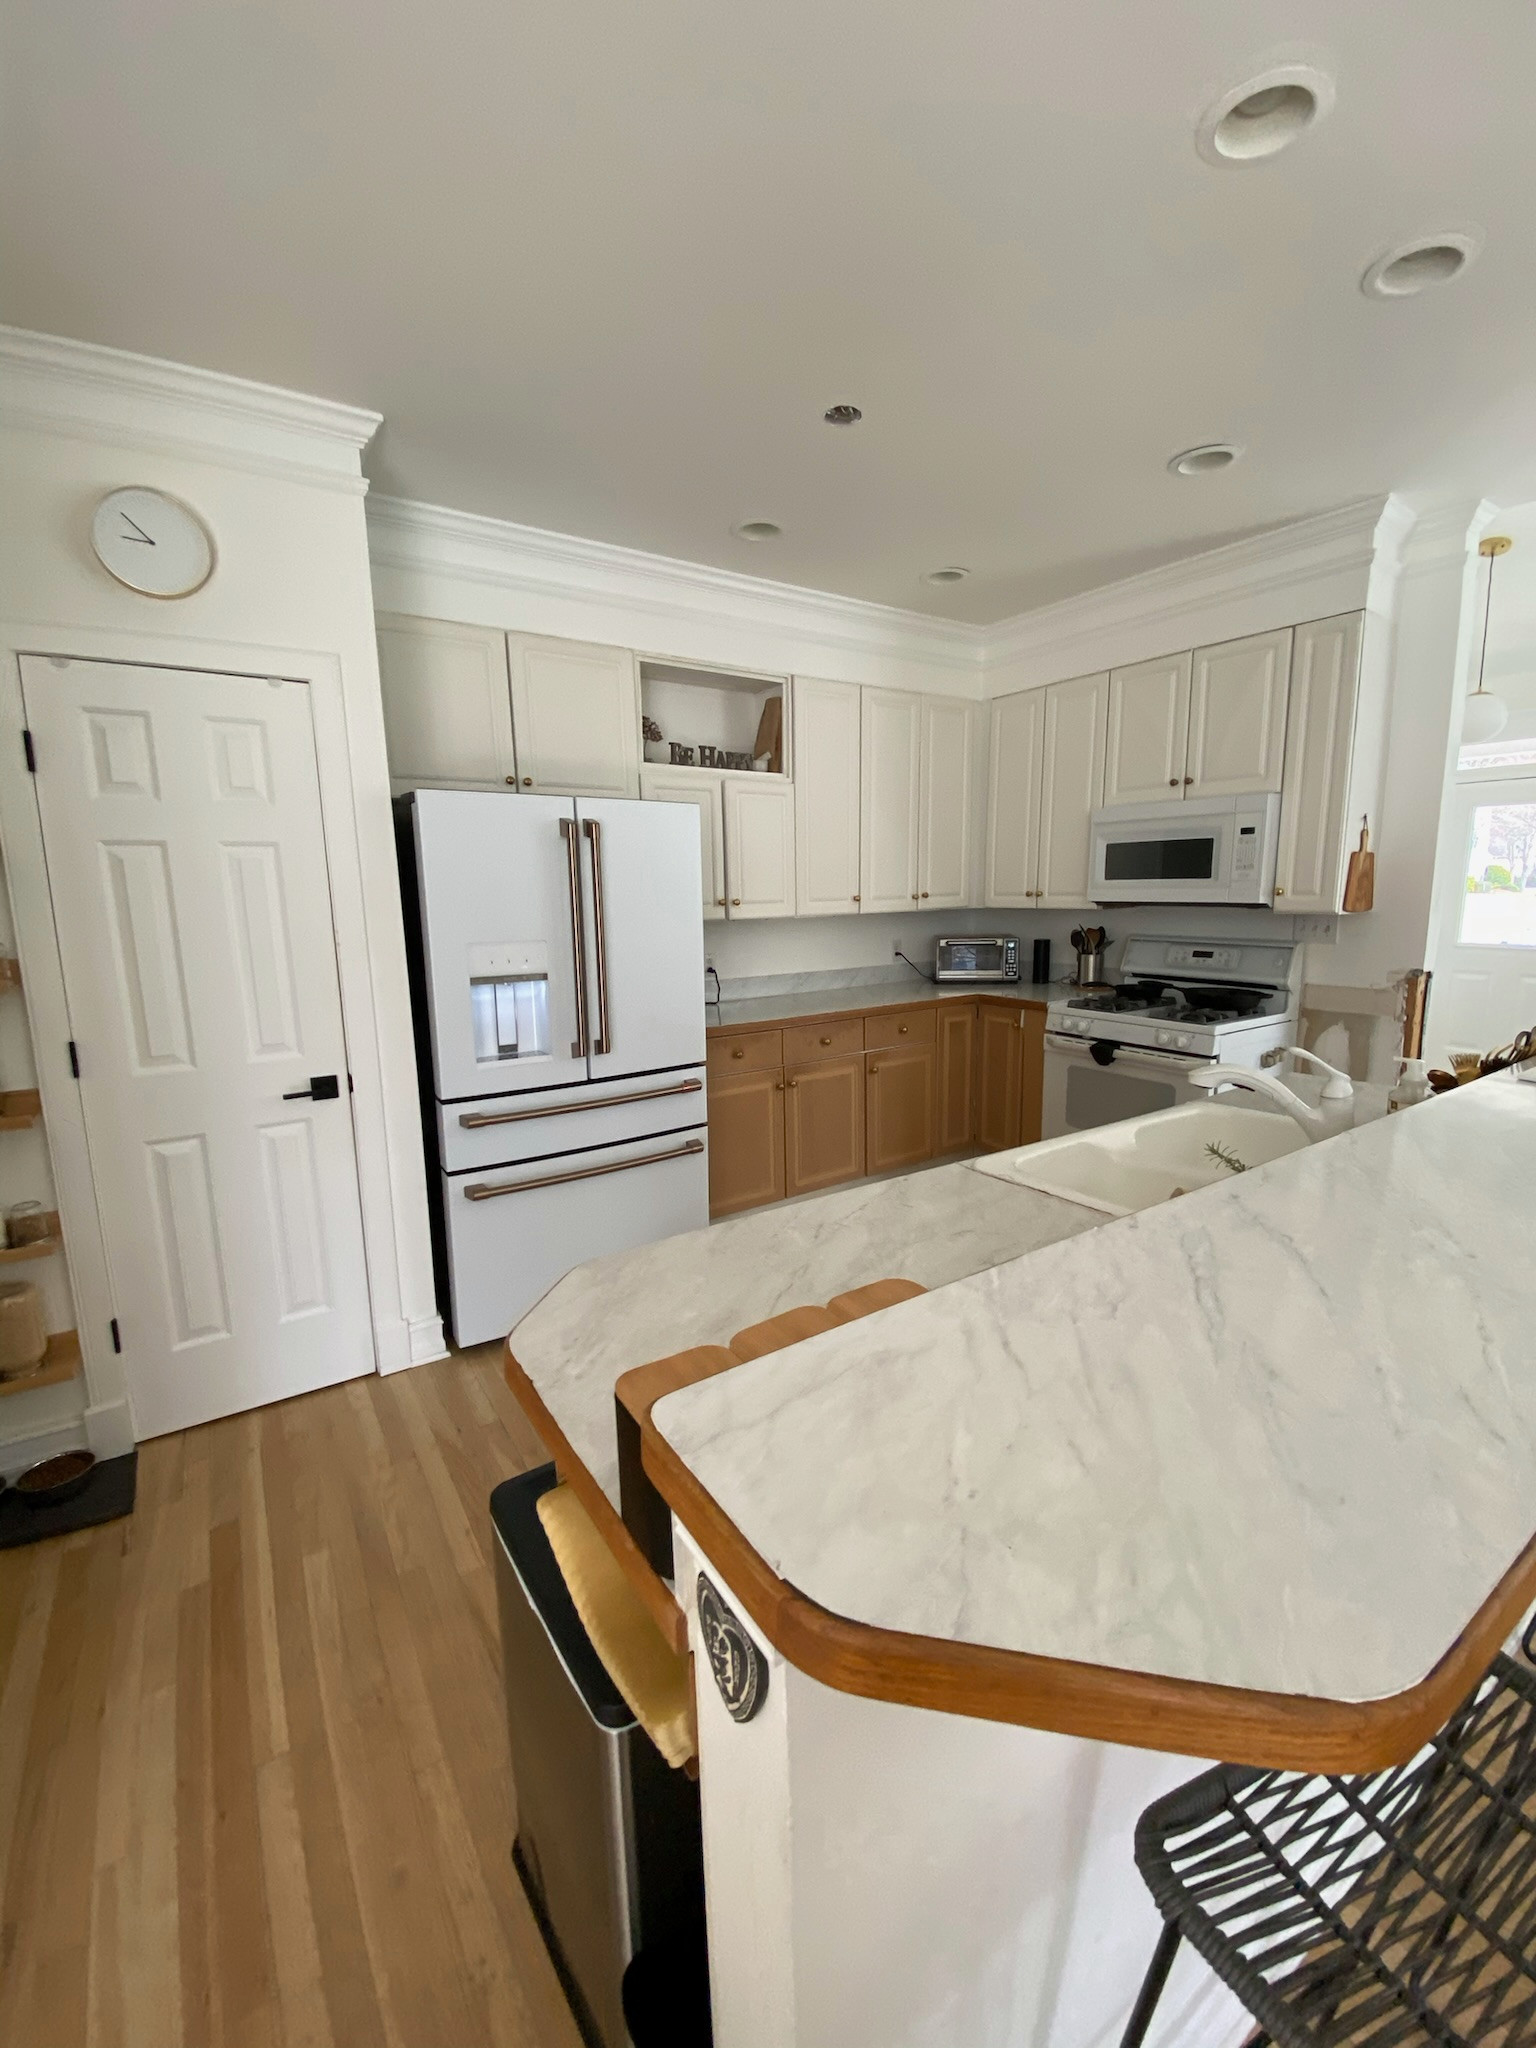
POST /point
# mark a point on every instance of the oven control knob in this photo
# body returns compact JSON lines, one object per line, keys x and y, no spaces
{"x":1165,"y":1038}
{"x":1181,"y":1040}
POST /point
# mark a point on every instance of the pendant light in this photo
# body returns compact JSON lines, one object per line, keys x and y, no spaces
{"x":1485,"y":716}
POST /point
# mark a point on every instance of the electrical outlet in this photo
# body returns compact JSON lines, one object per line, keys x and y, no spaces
{"x":896,"y":949}
{"x":1315,"y":931}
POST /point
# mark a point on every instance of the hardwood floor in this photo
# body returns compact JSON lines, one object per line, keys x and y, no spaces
{"x":254,"y":1786}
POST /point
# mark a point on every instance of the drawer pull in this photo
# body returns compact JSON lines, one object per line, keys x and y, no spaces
{"x":738,"y":1052}
{"x":826,"y":1041}
{"x":482,"y":1191}
{"x":477,"y":1120}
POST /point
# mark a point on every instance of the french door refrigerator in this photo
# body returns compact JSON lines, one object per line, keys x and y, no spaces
{"x":558,"y":963}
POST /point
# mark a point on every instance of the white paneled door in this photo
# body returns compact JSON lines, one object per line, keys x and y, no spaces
{"x":181,"y":823}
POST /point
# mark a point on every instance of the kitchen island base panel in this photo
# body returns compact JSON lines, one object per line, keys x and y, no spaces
{"x":878,"y":1873}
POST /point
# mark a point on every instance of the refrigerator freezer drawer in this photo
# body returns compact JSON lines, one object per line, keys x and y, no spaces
{"x":514,"y":1231}
{"x":501,"y":1128}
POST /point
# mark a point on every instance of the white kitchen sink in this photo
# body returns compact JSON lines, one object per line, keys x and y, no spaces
{"x":1123,"y":1167}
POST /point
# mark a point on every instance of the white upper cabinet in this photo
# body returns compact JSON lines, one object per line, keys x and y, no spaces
{"x":759,"y":846}
{"x":1237,"y":716}
{"x":576,"y":711}
{"x":891,"y":747}
{"x":1317,"y":827}
{"x":944,"y":803}
{"x":1071,"y":789}
{"x":704,"y":791}
{"x":1148,"y":731}
{"x":826,"y":763}
{"x":447,"y":714}
{"x":1013,"y":800}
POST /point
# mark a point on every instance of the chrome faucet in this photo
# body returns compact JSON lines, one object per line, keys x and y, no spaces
{"x":1317,"y":1123}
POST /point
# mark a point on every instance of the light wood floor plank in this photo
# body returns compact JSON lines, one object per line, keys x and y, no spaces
{"x":254,"y":1787}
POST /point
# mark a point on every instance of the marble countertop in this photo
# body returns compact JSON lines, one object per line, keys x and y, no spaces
{"x":878,"y":995}
{"x":701,"y":1288}
{"x":1280,"y":1434}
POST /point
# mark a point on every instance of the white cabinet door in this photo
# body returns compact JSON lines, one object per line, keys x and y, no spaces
{"x":944,"y":806}
{"x":1237,"y":716}
{"x":1013,"y":800}
{"x":759,"y":846}
{"x":1071,"y":789}
{"x":576,"y":712}
{"x":1148,"y":731}
{"x":186,"y":857}
{"x":1316,"y":831}
{"x":447,"y":713}
{"x":696,"y":786}
{"x":826,"y":760}
{"x":891,"y":741}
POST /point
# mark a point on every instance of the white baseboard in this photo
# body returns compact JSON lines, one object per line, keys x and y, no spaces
{"x":427,"y":1340}
{"x":23,"y":1451}
{"x":405,"y":1343}
{"x":109,"y":1429}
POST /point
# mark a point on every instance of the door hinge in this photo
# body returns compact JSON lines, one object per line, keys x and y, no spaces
{"x":28,"y":749}
{"x":117,"y":1336}
{"x":74,"y":1059}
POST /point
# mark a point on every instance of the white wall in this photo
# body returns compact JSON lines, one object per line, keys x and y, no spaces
{"x":278,"y":481}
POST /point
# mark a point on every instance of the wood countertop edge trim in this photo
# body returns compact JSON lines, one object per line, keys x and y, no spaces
{"x":652,"y":1589}
{"x":958,"y":994}
{"x":1275,"y":1731}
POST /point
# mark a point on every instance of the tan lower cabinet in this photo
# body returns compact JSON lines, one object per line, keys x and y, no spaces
{"x":823,"y":1123}
{"x":746,"y":1139}
{"x":956,"y":1117}
{"x":1010,"y":1076}
{"x":899,"y":1091}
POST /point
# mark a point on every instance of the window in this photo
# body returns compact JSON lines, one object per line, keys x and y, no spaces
{"x":1500,"y":904}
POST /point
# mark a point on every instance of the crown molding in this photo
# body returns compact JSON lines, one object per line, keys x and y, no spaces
{"x":1255,"y":583}
{"x":659,"y":603}
{"x":53,"y":384}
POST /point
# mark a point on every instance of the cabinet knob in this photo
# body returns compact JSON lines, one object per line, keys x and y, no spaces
{"x":794,"y":1084}
{"x":1173,"y":782}
{"x":720,"y":901}
{"x":527,"y":782}
{"x":858,"y":899}
{"x":511,"y":782}
{"x":735,"y":903}
{"x":1279,"y":888}
{"x":902,"y":1028}
{"x":738,"y":1052}
{"x":826,"y":1041}
{"x":925,"y":895}
{"x":874,"y":1070}
{"x":914,"y":895}
{"x":1188,"y":780}
{"x":778,"y":1087}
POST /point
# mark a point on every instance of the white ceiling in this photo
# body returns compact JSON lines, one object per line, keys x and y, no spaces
{"x":602,"y":266}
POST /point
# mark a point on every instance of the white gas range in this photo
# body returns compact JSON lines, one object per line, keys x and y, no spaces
{"x":1180,"y":1003}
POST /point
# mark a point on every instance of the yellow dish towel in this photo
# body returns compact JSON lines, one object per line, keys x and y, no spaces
{"x":637,"y":1656}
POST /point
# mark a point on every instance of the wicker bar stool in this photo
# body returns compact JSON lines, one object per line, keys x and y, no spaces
{"x":1388,"y":1910}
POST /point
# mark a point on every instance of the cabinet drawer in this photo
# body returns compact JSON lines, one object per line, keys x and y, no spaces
{"x":745,"y":1050}
{"x":900,"y":1028}
{"x":803,"y":1042}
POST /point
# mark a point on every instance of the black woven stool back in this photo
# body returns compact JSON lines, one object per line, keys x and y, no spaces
{"x":1378,"y":1911}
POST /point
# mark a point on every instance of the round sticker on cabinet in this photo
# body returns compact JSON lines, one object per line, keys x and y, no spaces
{"x":740,"y":1668}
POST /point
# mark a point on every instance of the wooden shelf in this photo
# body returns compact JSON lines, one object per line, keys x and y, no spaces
{"x":10,"y":973}
{"x":43,"y":1248}
{"x":61,"y":1362}
{"x":19,"y":1108}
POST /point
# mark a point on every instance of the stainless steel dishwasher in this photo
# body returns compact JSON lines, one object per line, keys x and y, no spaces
{"x":608,"y":1846}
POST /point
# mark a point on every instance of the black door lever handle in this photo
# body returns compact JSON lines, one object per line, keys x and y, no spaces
{"x":322,"y":1088}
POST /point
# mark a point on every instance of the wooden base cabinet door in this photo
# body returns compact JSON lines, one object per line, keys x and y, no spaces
{"x":999,"y":1079}
{"x":957,"y":1077}
{"x":746,"y":1141}
{"x":899,"y":1091}
{"x":1031,"y":1075}
{"x":823,"y":1124}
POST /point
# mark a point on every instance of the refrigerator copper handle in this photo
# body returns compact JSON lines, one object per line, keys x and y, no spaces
{"x":578,"y":936}
{"x":477,"y":1120}
{"x":604,"y":1039}
{"x":482,"y":1191}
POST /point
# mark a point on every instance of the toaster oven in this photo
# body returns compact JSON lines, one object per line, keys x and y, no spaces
{"x":976,"y":959}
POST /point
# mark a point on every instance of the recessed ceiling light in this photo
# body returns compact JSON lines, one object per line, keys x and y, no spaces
{"x":1263,"y":115}
{"x":842,"y":415}
{"x":1415,"y":266}
{"x":757,"y":529}
{"x":1203,"y":461}
{"x":950,"y":575}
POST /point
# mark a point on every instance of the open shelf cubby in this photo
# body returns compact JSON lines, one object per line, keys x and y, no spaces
{"x":721,"y":713}
{"x":61,"y":1362}
{"x":20,"y":1108}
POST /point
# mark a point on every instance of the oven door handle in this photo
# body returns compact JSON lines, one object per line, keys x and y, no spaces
{"x":1145,"y":1055}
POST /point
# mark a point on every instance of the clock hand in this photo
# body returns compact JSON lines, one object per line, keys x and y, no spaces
{"x":138,"y":532}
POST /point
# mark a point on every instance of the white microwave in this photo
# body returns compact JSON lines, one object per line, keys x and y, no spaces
{"x":1207,"y":849}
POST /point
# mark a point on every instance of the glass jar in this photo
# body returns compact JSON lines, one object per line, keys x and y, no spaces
{"x":23,"y":1339}
{"x":25,"y":1223}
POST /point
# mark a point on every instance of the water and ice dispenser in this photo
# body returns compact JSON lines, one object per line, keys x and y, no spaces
{"x":509,"y":1000}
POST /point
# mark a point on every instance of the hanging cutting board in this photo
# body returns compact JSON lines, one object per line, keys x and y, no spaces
{"x":1360,"y":878}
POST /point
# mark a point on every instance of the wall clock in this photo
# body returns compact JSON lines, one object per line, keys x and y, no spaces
{"x":152,"y":543}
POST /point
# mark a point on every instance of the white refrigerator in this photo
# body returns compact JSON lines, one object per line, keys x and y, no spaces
{"x":558,"y":975}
